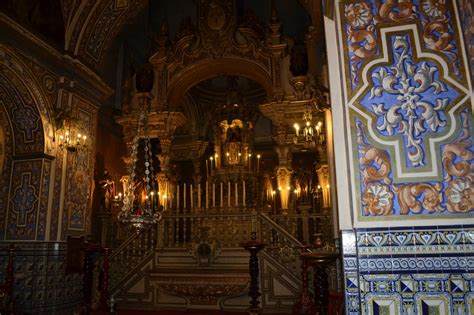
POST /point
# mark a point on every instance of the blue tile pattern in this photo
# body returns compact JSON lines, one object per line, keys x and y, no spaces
{"x":420,"y":270}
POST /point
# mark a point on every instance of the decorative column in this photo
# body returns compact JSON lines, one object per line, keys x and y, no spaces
{"x":323,"y":179}
{"x":162,"y":126}
{"x":253,"y":246}
{"x":283,"y":175}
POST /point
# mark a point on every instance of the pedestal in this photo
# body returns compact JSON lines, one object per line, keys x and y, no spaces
{"x":253,"y":246}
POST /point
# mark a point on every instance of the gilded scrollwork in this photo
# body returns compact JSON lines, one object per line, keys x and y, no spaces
{"x":457,"y":156}
{"x":361,"y":35}
{"x":371,"y":155}
{"x":409,"y":197}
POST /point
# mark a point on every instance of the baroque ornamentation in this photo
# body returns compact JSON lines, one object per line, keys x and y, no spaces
{"x":408,"y":197}
{"x":457,"y":156}
{"x":377,"y":199}
{"x":460,"y":195}
{"x":411,"y":114}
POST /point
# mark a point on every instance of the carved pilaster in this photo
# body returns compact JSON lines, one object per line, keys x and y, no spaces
{"x":283,"y":175}
{"x":323,"y":179}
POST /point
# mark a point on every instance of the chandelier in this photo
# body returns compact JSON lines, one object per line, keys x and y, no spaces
{"x":71,"y":137}
{"x":311,"y":135}
{"x":140,"y":202}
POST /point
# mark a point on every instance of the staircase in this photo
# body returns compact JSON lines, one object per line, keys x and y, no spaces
{"x":194,"y":261}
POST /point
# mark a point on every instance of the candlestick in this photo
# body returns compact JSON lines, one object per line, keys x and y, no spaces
{"x":177,"y":197}
{"x":184,"y":196}
{"x":236,"y":189}
{"x":222,"y":195}
{"x":199,"y":195}
{"x":228,"y":194}
{"x":191,"y":195}
{"x":213,"y":195}
{"x":207,"y":194}
{"x":243,"y":193}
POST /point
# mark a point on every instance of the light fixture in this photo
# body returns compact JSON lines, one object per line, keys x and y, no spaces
{"x":311,"y":135}
{"x":141,"y":207}
{"x":71,"y":137}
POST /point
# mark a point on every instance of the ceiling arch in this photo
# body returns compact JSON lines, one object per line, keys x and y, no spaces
{"x":91,"y":26}
{"x":210,"y":68}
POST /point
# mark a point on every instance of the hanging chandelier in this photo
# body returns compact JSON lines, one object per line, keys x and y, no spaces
{"x":71,"y":137}
{"x":140,"y":201}
{"x":311,"y":135}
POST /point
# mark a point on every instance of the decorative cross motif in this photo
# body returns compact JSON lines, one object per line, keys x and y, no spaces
{"x":24,"y":200}
{"x":408,"y":100}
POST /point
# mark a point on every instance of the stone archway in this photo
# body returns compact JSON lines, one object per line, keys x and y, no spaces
{"x":26,"y":139}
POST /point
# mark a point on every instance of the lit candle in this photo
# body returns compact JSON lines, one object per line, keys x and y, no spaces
{"x":243,"y":193}
{"x":236,"y":194}
{"x":258,"y":162}
{"x":213,"y":195}
{"x":250,"y":161}
{"x":212,"y":159}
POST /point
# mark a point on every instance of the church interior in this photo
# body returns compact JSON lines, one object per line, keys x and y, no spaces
{"x":236,"y":157}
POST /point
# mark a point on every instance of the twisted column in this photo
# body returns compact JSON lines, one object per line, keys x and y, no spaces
{"x":253,"y":246}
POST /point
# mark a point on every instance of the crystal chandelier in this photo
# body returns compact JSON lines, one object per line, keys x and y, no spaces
{"x":311,"y":135}
{"x":141,"y":207}
{"x":70,"y":136}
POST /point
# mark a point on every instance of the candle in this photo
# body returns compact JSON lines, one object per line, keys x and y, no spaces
{"x":228,"y":194}
{"x":215,"y":160}
{"x":191,"y":195}
{"x":222,"y":195}
{"x":258,"y":162}
{"x":250,"y":161}
{"x":207,"y":194}
{"x":177,"y":197}
{"x":212,"y":159}
{"x":213,"y":195}
{"x":184,"y":196}
{"x":199,"y":195}
{"x":243,"y":193}
{"x":236,"y":195}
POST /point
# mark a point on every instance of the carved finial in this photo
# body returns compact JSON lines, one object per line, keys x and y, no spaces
{"x":164,"y":34}
{"x":274,"y":18}
{"x":274,"y":26}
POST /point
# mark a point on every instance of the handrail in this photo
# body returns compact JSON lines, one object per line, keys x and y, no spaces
{"x":281,"y":230}
{"x":125,"y":244}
